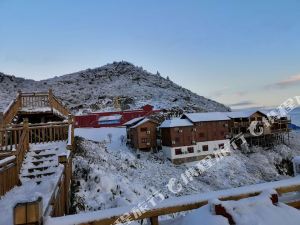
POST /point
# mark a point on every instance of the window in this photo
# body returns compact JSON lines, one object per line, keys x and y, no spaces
{"x":204,"y":147}
{"x":144,"y":129}
{"x":173,"y":142}
{"x":190,"y":149}
{"x":144,"y":140}
{"x":178,"y":151}
{"x":221,"y":146}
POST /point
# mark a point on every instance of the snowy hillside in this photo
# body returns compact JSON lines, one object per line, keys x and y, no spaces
{"x":95,"y":89}
{"x":108,"y":174}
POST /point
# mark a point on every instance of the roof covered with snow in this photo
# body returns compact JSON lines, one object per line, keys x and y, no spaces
{"x":176,"y":122}
{"x":242,"y":114}
{"x":133,"y":121}
{"x":207,"y":116}
{"x":109,"y":118}
{"x":142,"y":122}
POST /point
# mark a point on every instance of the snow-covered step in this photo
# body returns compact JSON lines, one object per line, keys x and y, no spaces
{"x":43,"y":156}
{"x":40,"y":168}
{"x":41,"y":162}
{"x":38,"y":174}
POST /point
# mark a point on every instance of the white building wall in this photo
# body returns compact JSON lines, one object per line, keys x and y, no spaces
{"x":213,"y":146}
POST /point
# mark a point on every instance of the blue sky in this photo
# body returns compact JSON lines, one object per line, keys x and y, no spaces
{"x":241,"y":53}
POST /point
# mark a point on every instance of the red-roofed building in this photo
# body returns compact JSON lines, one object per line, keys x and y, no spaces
{"x":112,"y":119}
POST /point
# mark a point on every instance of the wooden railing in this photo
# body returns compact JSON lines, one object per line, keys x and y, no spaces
{"x":8,"y":174}
{"x":23,"y":146}
{"x":7,"y":116}
{"x":180,"y":204}
{"x":37,"y":133}
{"x":10,"y":167}
{"x":34,"y":100}
{"x":57,"y":105}
{"x":31,"y":101}
{"x":15,"y":140}
{"x":50,"y":132}
{"x":10,"y":138}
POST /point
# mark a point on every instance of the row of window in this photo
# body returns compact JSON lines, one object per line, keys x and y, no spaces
{"x":193,"y":130}
{"x":146,"y":140}
{"x":203,"y":134}
{"x":200,"y":135}
{"x":178,"y":151}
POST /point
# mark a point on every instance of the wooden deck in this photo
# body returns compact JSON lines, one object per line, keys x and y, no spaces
{"x":33,"y":103}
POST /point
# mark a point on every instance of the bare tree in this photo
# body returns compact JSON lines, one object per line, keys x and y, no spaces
{"x":109,"y":135}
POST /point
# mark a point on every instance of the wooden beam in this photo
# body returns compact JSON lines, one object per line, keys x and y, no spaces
{"x":154,"y":220}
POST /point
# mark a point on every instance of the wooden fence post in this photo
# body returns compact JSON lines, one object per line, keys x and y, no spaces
{"x":19,"y":98}
{"x":154,"y":220}
{"x":50,"y":98}
{"x":221,"y":211}
{"x":29,"y":213}
{"x":26,"y":129}
{"x":63,"y":159}
{"x":70,"y":122}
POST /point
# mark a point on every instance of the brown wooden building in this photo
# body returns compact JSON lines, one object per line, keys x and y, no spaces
{"x":142,"y":133}
{"x":271,"y":129}
{"x":194,"y":136}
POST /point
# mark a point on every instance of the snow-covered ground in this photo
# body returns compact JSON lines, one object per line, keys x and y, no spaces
{"x":108,"y":174}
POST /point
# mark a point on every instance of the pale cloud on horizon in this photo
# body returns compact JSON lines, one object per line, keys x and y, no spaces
{"x":242,"y":103}
{"x":290,"y":81}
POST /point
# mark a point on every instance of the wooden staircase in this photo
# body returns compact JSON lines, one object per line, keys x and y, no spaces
{"x":37,"y":155}
{"x":41,"y":161}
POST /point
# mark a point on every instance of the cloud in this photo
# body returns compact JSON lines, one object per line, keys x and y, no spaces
{"x":242,"y":103}
{"x":290,"y":81}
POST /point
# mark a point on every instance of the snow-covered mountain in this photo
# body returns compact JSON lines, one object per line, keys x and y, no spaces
{"x":96,"y":89}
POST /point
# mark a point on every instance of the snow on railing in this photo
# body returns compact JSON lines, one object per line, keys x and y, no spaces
{"x":7,"y":160}
{"x":70,"y":134}
{"x":178,"y":204}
